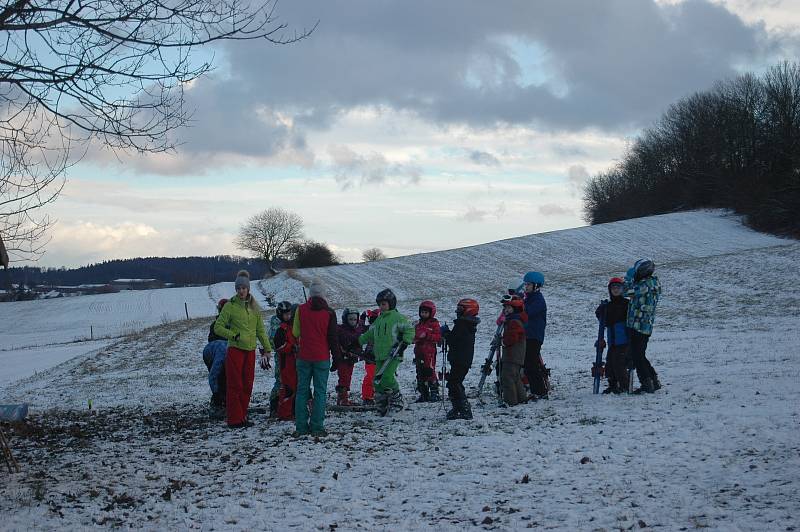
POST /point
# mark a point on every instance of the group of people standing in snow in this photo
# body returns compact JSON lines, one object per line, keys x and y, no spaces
{"x":310,"y":343}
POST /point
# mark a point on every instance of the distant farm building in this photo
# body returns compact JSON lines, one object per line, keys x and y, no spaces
{"x":136,"y":284}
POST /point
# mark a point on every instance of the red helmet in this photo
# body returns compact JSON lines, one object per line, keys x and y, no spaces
{"x":429,"y":306}
{"x":514,"y":302}
{"x":467,"y":307}
{"x":221,"y":303}
{"x":615,"y":280}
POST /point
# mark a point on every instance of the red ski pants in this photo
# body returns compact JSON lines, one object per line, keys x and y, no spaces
{"x":367,"y":388}
{"x":240,"y":371}
{"x":345,"y":371}
{"x":286,"y":394}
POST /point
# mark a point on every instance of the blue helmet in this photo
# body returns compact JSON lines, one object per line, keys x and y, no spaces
{"x":536,"y":278}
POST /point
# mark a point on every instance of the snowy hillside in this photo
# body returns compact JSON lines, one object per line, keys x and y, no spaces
{"x":716,"y":448}
{"x":487,"y":269}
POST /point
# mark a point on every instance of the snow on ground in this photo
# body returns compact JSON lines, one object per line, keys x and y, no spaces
{"x":716,"y":448}
{"x":24,"y":362}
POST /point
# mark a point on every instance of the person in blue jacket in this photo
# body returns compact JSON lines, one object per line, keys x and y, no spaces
{"x":536,"y":309}
{"x":644,"y":290}
{"x":613,"y":313}
{"x":214,"y":358}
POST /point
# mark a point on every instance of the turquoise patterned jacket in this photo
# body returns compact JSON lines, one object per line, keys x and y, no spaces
{"x":644,"y":296}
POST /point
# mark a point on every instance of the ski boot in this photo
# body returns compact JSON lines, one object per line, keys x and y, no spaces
{"x":343,"y":396}
{"x":646,"y":387}
{"x":424,"y":395}
{"x":216,"y":410}
{"x":396,"y":403}
{"x":273,"y":406}
{"x":382,"y":403}
{"x":453,"y":412}
{"x":434,"y":392}
{"x":466,"y":410}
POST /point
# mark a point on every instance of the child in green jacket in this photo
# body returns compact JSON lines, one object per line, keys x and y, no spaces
{"x":389,"y":329}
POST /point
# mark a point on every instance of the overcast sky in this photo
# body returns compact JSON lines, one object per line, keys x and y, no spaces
{"x":415,"y":125}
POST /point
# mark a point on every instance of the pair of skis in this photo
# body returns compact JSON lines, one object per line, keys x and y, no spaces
{"x":486,"y":369}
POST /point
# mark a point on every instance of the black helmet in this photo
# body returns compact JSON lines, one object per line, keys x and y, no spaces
{"x":643,"y":268}
{"x":348,"y":312}
{"x":283,"y":306}
{"x":388,"y":296}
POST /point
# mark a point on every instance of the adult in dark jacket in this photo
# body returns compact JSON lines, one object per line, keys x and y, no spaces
{"x":460,"y":352}
{"x":536,"y":309}
{"x":613,"y":313}
{"x":315,"y":329}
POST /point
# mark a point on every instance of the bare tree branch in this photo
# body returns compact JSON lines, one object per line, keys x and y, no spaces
{"x":111,"y":71}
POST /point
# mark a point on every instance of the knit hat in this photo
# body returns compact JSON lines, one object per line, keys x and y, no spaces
{"x":316,"y":290}
{"x":242,"y":279}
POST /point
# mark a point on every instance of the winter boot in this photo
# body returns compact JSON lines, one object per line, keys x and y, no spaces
{"x":646,"y":387}
{"x":382,"y":403}
{"x":453,"y":412}
{"x":424,"y":396}
{"x":273,"y":406}
{"x":343,"y":396}
{"x":434,"y":392}
{"x":656,"y":382}
{"x":610,"y":389}
{"x":466,"y":410}
{"x":396,"y":403}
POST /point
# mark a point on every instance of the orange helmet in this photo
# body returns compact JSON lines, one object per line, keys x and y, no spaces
{"x":467,"y":307}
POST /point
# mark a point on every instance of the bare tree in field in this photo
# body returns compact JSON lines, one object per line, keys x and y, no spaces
{"x":373,"y":254}
{"x":270,"y":234}
{"x":109,"y":72}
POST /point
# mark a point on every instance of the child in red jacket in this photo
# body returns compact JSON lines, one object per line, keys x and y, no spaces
{"x":426,"y":338}
{"x":286,"y":352}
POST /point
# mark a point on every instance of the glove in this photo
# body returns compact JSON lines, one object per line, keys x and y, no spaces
{"x":601,"y":343}
{"x":264,"y":360}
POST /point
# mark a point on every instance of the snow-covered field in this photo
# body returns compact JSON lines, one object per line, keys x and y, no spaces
{"x":716,"y":448}
{"x":41,"y":334}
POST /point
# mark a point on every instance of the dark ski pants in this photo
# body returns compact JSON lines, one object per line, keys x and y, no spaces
{"x":240,"y":371}
{"x":637,"y":348}
{"x":455,"y":383}
{"x":534,"y":368}
{"x":616,"y":367}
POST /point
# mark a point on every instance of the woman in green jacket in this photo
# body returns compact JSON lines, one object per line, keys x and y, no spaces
{"x":241,"y":324}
